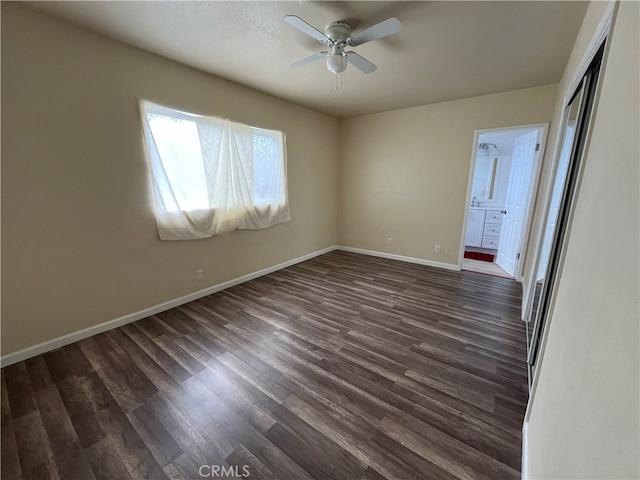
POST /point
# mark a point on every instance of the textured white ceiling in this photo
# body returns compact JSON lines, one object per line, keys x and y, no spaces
{"x":446,"y":50}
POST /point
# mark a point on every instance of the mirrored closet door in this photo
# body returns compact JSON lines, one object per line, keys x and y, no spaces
{"x":564,"y":190}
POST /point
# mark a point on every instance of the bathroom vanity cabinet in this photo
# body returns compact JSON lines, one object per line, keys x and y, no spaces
{"x":483,"y":228}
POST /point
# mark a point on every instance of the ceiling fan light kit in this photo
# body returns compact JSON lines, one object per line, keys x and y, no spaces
{"x":336,"y":63}
{"x":337,"y":36}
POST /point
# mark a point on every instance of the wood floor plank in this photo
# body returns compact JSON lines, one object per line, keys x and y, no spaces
{"x":413,"y":462}
{"x":312,"y":450}
{"x":364,"y":427}
{"x":105,"y":460}
{"x":366,"y":452}
{"x":81,"y":413}
{"x":135,"y":455}
{"x":179,"y":355}
{"x":424,"y":395}
{"x":159,"y":356}
{"x":161,"y":444}
{"x":241,"y":432}
{"x":246,"y":462}
{"x":440,"y":448}
{"x":184,"y":467}
{"x":492,"y":440}
{"x":345,"y":366}
{"x":74,"y":464}
{"x":61,"y":435}
{"x":123,"y":379}
{"x":484,"y":399}
{"x":8,"y":449}
{"x":162,"y":376}
{"x":249,"y":402}
{"x":31,"y":441}
{"x":19,"y":390}
{"x":39,"y":374}
{"x":266,"y":382}
{"x":43,"y":471}
{"x":58,"y":365}
{"x":76,"y":360}
{"x":194,"y":409}
{"x":189,"y":439}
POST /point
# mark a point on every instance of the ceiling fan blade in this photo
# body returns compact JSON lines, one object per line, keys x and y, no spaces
{"x":309,"y":59}
{"x":361,"y":63}
{"x":379,"y":30}
{"x":304,"y":27}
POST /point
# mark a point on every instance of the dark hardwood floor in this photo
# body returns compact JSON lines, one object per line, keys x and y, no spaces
{"x":342,"y":367}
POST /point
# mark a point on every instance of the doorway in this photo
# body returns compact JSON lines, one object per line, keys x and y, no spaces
{"x":503,"y":177}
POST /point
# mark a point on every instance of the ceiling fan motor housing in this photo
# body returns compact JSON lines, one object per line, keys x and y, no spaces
{"x":338,"y":32}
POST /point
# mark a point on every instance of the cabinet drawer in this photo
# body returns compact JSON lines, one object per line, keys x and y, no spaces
{"x":493,"y":230}
{"x":494,"y":217}
{"x":490,"y":242}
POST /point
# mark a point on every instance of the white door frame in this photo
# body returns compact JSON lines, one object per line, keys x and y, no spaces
{"x":542,"y":128}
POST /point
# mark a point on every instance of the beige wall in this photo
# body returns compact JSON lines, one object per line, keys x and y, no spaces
{"x":584,"y":414}
{"x":80,"y":245}
{"x":403,"y":174}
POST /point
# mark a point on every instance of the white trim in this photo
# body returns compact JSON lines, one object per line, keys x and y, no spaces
{"x":467,"y":202}
{"x":543,"y":129}
{"x":603,"y":31}
{"x":49,"y":345}
{"x":525,"y":451}
{"x":72,"y":337}
{"x":402,"y":258}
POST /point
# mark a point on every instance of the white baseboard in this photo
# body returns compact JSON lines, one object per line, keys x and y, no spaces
{"x":402,"y":258}
{"x":525,"y":451}
{"x":49,"y":345}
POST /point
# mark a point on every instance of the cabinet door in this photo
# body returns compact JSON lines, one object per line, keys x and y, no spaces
{"x":475,"y":225}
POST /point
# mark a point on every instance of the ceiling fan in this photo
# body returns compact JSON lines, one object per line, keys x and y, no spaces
{"x":337,"y":36}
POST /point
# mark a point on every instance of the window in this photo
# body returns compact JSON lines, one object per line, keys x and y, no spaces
{"x":211,"y":175}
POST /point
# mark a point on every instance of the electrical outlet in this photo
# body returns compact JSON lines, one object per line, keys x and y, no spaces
{"x":437,"y":248}
{"x":199,"y":275}
{"x":389,"y":241}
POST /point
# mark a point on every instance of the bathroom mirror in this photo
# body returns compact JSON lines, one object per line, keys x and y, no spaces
{"x":560,"y":207}
{"x":484,"y":178}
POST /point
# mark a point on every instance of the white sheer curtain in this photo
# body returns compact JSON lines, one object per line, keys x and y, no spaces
{"x":212,"y":175}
